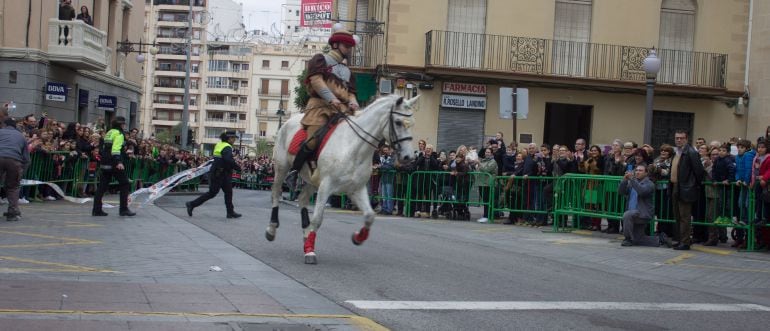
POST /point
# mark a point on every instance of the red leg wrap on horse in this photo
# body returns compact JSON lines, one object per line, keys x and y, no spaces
{"x":310,"y":243}
{"x":362,"y":235}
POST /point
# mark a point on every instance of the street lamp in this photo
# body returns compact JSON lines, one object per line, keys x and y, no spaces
{"x":280,"y":114}
{"x":651,"y":67}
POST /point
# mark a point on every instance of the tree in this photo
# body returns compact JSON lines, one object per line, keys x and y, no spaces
{"x":301,"y":95}
{"x":169,"y":136}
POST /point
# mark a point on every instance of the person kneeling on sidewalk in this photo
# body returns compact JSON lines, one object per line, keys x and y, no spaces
{"x":639,"y":189}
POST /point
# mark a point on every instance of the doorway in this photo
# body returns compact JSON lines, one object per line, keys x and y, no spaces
{"x":565,"y":123}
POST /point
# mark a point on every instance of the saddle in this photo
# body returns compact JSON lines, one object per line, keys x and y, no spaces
{"x":301,"y":135}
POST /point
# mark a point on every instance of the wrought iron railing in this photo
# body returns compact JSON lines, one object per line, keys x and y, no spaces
{"x":570,"y":59}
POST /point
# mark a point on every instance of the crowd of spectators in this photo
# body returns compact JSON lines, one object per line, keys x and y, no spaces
{"x":733,"y":167}
{"x":59,"y":145}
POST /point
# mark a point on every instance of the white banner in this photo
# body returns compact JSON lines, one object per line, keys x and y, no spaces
{"x":162,"y":187}
{"x":463,"y":101}
{"x":152,"y":193}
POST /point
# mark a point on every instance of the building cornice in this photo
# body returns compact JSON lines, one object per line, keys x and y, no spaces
{"x":110,"y":79}
{"x":36,"y":55}
{"x":28,"y":54}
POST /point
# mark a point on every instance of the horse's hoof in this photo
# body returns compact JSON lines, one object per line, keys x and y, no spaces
{"x":353,"y":238}
{"x":271,"y":232}
{"x":310,"y":258}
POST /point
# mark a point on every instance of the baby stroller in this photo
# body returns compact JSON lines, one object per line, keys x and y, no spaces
{"x":447,"y":196}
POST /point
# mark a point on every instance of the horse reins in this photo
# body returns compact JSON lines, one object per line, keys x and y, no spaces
{"x":394,"y":140}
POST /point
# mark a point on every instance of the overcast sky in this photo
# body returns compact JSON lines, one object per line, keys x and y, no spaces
{"x":260,"y":14}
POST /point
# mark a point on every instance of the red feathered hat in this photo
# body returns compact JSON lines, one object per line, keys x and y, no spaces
{"x":342,"y":36}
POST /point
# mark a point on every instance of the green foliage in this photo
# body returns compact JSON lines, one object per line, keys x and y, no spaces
{"x":301,"y":95}
{"x":169,"y":136}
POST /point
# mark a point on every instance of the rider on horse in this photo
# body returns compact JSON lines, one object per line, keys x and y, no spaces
{"x":332,"y":93}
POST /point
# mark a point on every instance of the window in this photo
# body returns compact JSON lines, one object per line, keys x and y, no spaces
{"x":571,"y":34}
{"x":244,"y":83}
{"x":217,"y":82}
{"x":467,"y":18}
{"x":262,"y":105}
{"x":265,"y":86}
{"x":284,"y":87}
{"x":263,"y":129}
{"x":234,"y":101}
{"x":194,"y":67}
{"x":244,"y":66}
{"x":284,"y":65}
{"x":218,"y":65}
{"x":214,"y":99}
{"x":296,"y":28}
{"x":241,"y":117}
{"x":236,"y":67}
{"x":243,"y":100}
{"x":265,"y":64}
{"x":677,"y":34}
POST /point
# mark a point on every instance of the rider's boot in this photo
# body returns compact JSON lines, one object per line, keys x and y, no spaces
{"x":299,"y":161}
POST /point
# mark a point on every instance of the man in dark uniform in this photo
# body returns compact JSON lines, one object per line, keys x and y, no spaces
{"x":112,"y":153}
{"x":220,"y":175}
{"x":332,"y":91}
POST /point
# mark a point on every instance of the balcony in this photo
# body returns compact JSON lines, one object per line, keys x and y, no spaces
{"x":220,"y":122}
{"x":77,"y":45}
{"x":546,"y":58}
{"x":271,"y":94}
{"x":223,"y":89}
{"x":221,"y":106}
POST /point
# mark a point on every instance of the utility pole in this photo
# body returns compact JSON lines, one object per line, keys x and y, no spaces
{"x":186,"y":105}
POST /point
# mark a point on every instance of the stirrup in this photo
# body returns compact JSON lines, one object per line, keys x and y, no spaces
{"x":291,"y":179}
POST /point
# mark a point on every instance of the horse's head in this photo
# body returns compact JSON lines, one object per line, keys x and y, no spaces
{"x":399,"y":129}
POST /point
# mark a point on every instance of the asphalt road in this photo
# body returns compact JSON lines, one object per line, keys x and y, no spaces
{"x":407,"y":259}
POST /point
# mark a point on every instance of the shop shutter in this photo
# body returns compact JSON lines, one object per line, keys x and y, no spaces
{"x":460,"y":127}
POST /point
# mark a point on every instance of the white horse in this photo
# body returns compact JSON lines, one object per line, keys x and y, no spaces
{"x":344,"y":165}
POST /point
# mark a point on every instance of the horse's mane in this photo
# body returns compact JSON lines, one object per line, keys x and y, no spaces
{"x":377,"y":103}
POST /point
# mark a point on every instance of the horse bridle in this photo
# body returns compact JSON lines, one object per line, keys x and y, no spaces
{"x":395,"y":141}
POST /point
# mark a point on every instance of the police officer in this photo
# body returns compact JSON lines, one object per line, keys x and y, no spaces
{"x":220,"y":175}
{"x":112,"y":153}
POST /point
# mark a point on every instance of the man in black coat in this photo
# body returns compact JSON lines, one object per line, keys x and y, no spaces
{"x":687,"y":174}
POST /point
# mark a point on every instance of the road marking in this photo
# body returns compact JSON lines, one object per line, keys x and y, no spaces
{"x":360,"y":321}
{"x":65,"y":225}
{"x":712,"y":250}
{"x":555,"y":305}
{"x":61,"y":241}
{"x":58,"y":267}
{"x":679,"y":259}
{"x":724,"y":268}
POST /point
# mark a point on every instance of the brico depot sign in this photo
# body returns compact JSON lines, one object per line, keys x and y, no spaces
{"x":465,"y":88}
{"x":316,"y":13}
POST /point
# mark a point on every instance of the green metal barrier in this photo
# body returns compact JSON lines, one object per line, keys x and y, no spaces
{"x":596,"y":196}
{"x":398,"y":182}
{"x":577,"y":197}
{"x":721,"y":208}
{"x":528,"y":196}
{"x":447,"y":194}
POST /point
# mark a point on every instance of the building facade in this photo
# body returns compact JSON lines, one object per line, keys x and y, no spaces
{"x":71,"y":70}
{"x":276,"y":72}
{"x":576,"y":64}
{"x":220,"y":76}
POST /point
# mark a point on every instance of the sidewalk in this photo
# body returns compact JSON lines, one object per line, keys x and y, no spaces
{"x":61,"y":269}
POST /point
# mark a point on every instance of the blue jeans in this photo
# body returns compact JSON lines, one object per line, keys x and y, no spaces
{"x":743,"y":204}
{"x":386,"y":191}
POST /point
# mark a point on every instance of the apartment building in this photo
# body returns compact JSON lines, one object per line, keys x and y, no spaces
{"x":220,"y":74}
{"x":69,"y":69}
{"x":578,"y":63}
{"x":276,"y":68}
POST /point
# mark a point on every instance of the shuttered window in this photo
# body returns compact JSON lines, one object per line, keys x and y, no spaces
{"x":677,"y":34}
{"x":466,"y":23}
{"x":571,"y":34}
{"x":362,"y":14}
